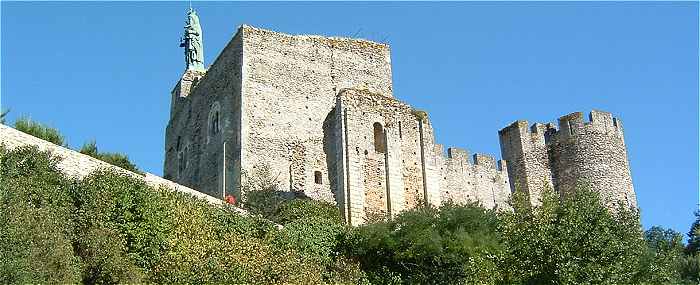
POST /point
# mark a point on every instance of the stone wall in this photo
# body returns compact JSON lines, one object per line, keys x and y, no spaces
{"x":78,"y":165}
{"x":371,"y":149}
{"x":592,"y":154}
{"x":484,"y":180}
{"x":289,"y":87}
{"x":525,"y":149}
{"x":579,"y":154}
{"x":391,"y":163}
{"x":320,"y":113}
{"x":193,"y":149}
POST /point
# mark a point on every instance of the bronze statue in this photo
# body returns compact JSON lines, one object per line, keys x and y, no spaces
{"x":192,"y":42}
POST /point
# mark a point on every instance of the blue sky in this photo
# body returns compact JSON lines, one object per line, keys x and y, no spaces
{"x":104,"y":71}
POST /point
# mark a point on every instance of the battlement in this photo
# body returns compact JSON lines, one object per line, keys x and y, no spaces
{"x":598,"y":121}
{"x":461,"y":156}
{"x":458,"y":154}
{"x":518,"y":138}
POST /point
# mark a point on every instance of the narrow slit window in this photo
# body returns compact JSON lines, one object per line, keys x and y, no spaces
{"x":318,"y":178}
{"x":379,"y":141}
{"x":215,"y":123}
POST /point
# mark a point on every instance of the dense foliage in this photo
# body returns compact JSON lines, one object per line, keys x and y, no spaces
{"x":46,"y":133}
{"x":113,"y":228}
{"x":447,"y":245}
{"x":39,"y":130}
{"x":117,"y":159}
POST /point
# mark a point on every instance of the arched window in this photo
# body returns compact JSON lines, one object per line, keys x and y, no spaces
{"x":182,"y":159}
{"x":318,"y":177}
{"x":379,"y":140}
{"x":213,"y":123}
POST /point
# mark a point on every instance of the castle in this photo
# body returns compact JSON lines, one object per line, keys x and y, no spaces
{"x":320,"y":113}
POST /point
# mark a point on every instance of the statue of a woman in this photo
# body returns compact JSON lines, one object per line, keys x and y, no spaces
{"x":192,"y":42}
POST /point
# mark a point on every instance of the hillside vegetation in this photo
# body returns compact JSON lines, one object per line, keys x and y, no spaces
{"x":112,"y":228}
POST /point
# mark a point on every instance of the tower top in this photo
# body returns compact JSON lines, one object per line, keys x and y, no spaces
{"x":192,"y":42}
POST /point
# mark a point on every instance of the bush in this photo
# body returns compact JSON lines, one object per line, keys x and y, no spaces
{"x":113,"y":228}
{"x":447,"y":245}
{"x":299,"y":209}
{"x":38,"y":130}
{"x":260,"y":192}
{"x":116,"y":159}
{"x":36,"y":215}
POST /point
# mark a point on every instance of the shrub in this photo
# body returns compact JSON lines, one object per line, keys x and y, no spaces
{"x":126,"y":212}
{"x":446,"y":245}
{"x":39,"y":130}
{"x":296,"y":209}
{"x":112,"y":228}
{"x":261,"y":193}
{"x":36,"y":215}
{"x":116,"y":159}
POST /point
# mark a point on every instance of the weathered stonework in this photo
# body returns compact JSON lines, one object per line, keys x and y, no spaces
{"x":320,"y":112}
{"x":579,"y":154}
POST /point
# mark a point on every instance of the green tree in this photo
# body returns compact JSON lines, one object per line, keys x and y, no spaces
{"x":39,"y":130}
{"x":690,"y":268}
{"x":660,"y":264}
{"x":693,"y":246}
{"x":453,"y":244}
{"x":574,"y":241}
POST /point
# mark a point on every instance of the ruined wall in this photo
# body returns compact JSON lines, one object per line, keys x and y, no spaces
{"x":289,"y":88}
{"x":580,"y":154}
{"x":78,"y":165}
{"x":193,"y":150}
{"x":592,"y":154}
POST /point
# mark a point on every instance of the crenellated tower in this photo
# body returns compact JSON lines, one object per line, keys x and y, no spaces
{"x":592,"y":154}
{"x":578,"y":154}
{"x":525,"y":149}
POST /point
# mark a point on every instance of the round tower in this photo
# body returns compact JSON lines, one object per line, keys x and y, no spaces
{"x":592,"y":154}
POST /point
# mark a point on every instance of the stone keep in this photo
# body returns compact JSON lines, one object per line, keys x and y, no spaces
{"x":320,"y":114}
